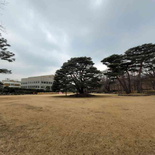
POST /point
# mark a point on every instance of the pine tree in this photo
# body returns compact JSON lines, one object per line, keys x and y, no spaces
{"x":140,"y":57}
{"x":77,"y":74}
{"x":5,"y":54}
{"x":118,"y":69}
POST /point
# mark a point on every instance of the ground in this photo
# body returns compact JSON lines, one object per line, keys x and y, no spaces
{"x":55,"y":125}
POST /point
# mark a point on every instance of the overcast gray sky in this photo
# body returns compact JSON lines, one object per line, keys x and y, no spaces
{"x":45,"y":33}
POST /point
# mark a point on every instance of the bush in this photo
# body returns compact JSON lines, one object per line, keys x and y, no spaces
{"x":150,"y":92}
{"x":18,"y":91}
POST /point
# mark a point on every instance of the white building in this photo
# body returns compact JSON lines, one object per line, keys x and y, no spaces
{"x":11,"y":83}
{"x":38,"y":82}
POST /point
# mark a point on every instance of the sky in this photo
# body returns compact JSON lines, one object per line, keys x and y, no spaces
{"x":45,"y":34}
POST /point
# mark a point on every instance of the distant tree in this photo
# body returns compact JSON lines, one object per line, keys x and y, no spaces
{"x":137,"y":64}
{"x":149,"y":71}
{"x":106,"y":82}
{"x":77,"y":74}
{"x":118,"y":69}
{"x":48,"y":88}
{"x":140,"y":57}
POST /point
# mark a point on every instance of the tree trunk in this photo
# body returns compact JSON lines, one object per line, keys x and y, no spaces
{"x":107,"y":86}
{"x":129,"y":82}
{"x":81,"y":91}
{"x":139,"y":83}
{"x":123,"y":84}
{"x":153,"y":85}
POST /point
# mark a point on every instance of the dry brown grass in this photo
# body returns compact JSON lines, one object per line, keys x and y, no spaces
{"x":48,"y":125}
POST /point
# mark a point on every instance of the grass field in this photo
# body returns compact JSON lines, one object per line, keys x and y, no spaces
{"x":55,"y":125}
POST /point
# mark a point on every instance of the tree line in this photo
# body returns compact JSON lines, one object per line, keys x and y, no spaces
{"x":128,"y":72}
{"x":133,"y":70}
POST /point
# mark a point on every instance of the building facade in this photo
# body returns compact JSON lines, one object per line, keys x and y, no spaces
{"x":38,"y":82}
{"x":11,"y":83}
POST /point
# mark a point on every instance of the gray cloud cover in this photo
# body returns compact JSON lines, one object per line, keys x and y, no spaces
{"x":44,"y":34}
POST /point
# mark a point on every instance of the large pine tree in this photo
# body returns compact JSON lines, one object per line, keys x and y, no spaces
{"x":78,"y":74}
{"x":140,"y":57}
{"x":118,"y":69}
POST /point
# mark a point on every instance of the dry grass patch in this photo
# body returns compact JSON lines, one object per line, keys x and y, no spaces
{"x":107,"y":124}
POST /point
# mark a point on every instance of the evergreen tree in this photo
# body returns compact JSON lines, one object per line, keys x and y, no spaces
{"x":149,"y":70}
{"x":140,"y":57}
{"x":118,"y":69}
{"x":5,"y":54}
{"x":77,"y":74}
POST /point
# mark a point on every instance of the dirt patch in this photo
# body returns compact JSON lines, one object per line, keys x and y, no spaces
{"x":28,"y":107}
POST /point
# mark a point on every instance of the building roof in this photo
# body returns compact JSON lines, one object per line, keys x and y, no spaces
{"x":42,"y":76}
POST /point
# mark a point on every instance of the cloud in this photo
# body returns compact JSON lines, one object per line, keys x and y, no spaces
{"x":44,"y":34}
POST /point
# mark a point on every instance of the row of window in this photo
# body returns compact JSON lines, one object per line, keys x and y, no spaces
{"x":35,"y":87}
{"x":30,"y":87}
{"x":45,"y":82}
{"x":11,"y":84}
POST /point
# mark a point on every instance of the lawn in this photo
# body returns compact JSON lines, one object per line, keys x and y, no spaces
{"x":58,"y":125}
